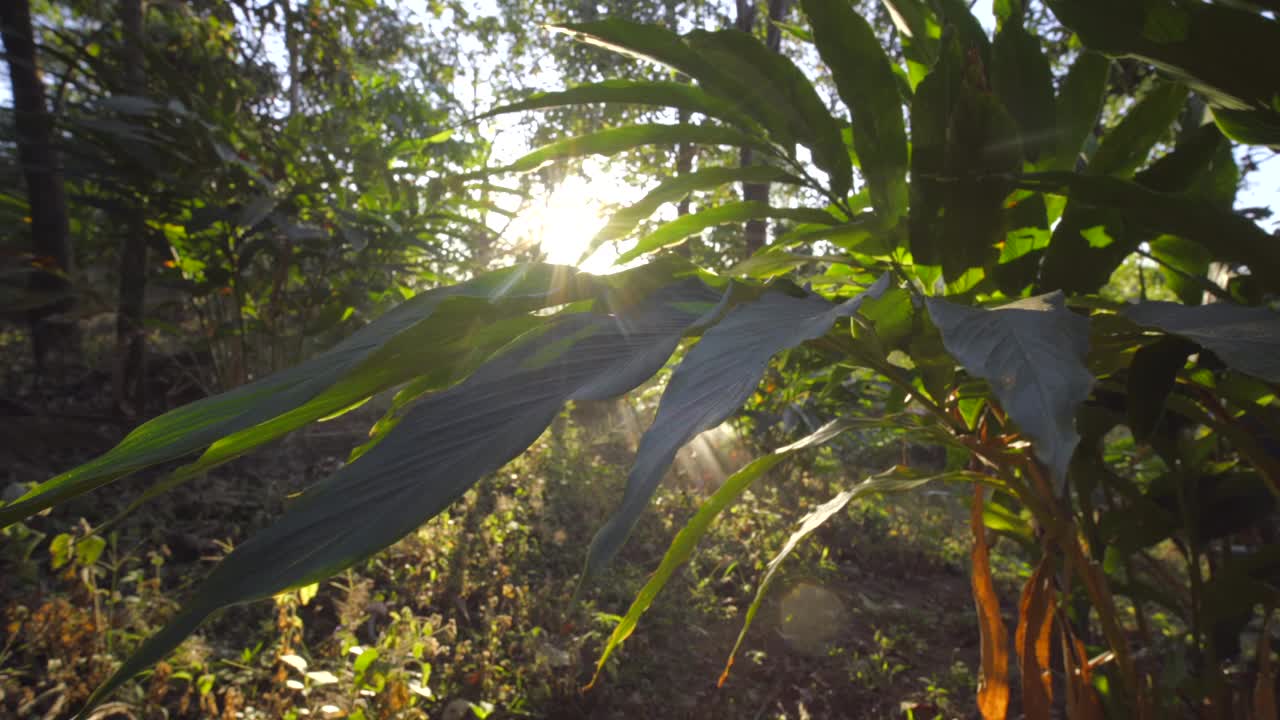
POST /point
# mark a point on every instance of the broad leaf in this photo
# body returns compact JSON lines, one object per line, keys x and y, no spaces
{"x":869,"y":88}
{"x":436,"y":329}
{"x":439,"y":450}
{"x":1245,"y":338}
{"x":675,"y":189}
{"x":715,"y":378}
{"x":682,"y":227}
{"x":1032,"y":353}
{"x":666,"y":93}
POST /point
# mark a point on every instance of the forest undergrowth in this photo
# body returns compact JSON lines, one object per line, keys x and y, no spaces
{"x":472,"y":615}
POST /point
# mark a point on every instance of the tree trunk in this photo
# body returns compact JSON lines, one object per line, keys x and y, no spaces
{"x":757,"y":230}
{"x":52,"y":332}
{"x":129,"y":374}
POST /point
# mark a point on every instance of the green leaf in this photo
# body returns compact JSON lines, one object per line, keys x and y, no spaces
{"x":894,"y":480}
{"x":1249,"y":126}
{"x":675,"y":189}
{"x":682,"y":227}
{"x":440,"y":449}
{"x":867,"y":84}
{"x":1027,"y":235}
{"x":364,"y":660}
{"x":770,"y":262}
{"x":919,"y":30}
{"x":964,"y":143}
{"x":712,"y":71}
{"x":439,"y":322}
{"x":1078,"y":105}
{"x":1022,"y":79}
{"x":1245,"y":338}
{"x":715,"y":378}
{"x":612,"y":141}
{"x":1222,"y":52}
{"x":60,"y":550}
{"x":89,"y":549}
{"x":1127,"y":146}
{"x":640,"y":92}
{"x":775,"y":82}
{"x":1032,"y":352}
{"x":645,"y":42}
{"x":1186,"y":266}
{"x":930,"y":124}
{"x":1227,"y":235}
{"x":687,"y":539}
{"x":1077,"y":261}
{"x":1151,"y":378}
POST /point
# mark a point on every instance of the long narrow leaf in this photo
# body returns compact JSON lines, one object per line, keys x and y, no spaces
{"x":438,"y":451}
{"x":772,"y":80}
{"x":687,"y":539}
{"x":710,"y":384}
{"x":676,"y":188}
{"x":1077,"y":106}
{"x":869,"y":88}
{"x":664,"y":93}
{"x":612,"y":141}
{"x":1223,"y":52}
{"x":438,"y":322}
{"x":682,"y":227}
{"x":660,"y":45}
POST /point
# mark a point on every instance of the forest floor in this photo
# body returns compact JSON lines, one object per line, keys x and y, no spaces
{"x":471,"y":615}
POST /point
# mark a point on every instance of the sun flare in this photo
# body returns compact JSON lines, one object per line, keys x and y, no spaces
{"x":563,"y":223}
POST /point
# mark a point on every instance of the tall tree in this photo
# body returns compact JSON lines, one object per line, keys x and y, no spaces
{"x":129,"y":372}
{"x":757,"y":229}
{"x":50,"y":230}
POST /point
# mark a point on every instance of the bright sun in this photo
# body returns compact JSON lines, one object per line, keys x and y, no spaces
{"x":564,"y":222}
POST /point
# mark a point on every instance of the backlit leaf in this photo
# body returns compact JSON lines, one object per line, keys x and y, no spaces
{"x":772,"y":80}
{"x":682,"y":227}
{"x":676,"y":188}
{"x":869,"y":88}
{"x":439,"y":450}
{"x":715,"y":378}
{"x":666,"y":93}
{"x":612,"y":141}
{"x":441,"y":323}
